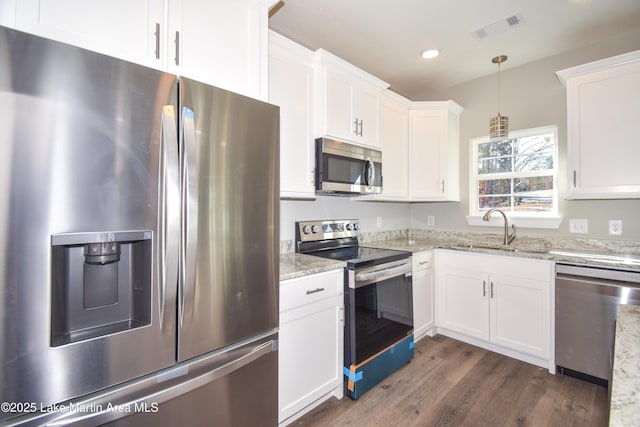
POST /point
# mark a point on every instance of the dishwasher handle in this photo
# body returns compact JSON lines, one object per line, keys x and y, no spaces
{"x":604,"y":275}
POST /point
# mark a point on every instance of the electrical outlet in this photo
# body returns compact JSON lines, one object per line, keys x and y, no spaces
{"x":431,"y":221}
{"x":615,"y":227}
{"x":379,"y":221}
{"x":579,"y":226}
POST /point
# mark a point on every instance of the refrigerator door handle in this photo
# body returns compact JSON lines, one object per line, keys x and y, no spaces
{"x":132,"y":404}
{"x":189,"y":216}
{"x":169,"y":215}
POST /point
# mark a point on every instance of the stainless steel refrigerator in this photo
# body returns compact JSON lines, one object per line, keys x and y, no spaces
{"x":138,"y":244}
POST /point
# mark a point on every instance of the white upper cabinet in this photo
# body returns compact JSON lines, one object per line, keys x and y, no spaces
{"x":603,"y":106}
{"x":215,"y":41}
{"x":348,"y":101}
{"x":434,"y":151}
{"x":394,"y":140}
{"x":291,"y":87}
{"x":129,"y":30}
{"x":220,"y":42}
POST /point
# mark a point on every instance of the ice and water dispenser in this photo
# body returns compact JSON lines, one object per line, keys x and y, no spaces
{"x":101,"y":284}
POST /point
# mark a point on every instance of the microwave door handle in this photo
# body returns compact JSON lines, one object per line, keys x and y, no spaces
{"x":370,"y":173}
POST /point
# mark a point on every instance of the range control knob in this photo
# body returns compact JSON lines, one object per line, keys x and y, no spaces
{"x":306,"y":229}
{"x":315,"y":228}
{"x":349,"y":226}
{"x":356,"y":226}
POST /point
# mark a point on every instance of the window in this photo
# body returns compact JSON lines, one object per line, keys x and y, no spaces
{"x":516,"y":175}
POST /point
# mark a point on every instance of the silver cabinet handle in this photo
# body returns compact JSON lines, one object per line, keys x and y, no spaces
{"x":484,"y":288}
{"x":443,"y":186}
{"x":361,"y":126}
{"x":314,"y":291}
{"x":189,"y":184}
{"x":177,"y":58}
{"x":574,"y":177}
{"x":355,"y":124}
{"x":423,"y":262}
{"x":169,"y":196}
{"x":157,"y":34}
{"x":491,"y":289}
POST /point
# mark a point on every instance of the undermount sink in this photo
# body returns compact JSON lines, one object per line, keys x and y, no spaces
{"x":503,"y":248}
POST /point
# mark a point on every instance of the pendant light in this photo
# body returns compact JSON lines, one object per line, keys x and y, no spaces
{"x":499,"y":125}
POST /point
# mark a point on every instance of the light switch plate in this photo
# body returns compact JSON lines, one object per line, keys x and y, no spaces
{"x":578,"y":226}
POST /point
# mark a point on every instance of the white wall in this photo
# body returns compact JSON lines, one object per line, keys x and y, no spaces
{"x":531,"y":96}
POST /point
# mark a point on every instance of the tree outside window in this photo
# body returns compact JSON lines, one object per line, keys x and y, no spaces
{"x":517,"y":175}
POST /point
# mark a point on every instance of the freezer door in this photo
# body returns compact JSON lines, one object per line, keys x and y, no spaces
{"x":237,"y":386}
{"x":84,"y":301}
{"x":228,"y":288}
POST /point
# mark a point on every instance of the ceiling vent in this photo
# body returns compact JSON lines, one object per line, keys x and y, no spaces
{"x":498,"y":27}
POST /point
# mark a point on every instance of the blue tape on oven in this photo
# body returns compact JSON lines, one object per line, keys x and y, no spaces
{"x":353,"y":376}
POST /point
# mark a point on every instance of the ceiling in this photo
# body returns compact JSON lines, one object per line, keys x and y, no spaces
{"x":386,"y":38}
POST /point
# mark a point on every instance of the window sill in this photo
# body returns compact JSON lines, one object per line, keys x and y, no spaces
{"x":550,"y":222}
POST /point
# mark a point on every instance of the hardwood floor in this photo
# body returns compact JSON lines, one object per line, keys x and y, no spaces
{"x":450,"y":383}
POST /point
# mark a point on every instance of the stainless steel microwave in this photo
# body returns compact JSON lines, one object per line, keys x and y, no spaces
{"x":347,"y":169}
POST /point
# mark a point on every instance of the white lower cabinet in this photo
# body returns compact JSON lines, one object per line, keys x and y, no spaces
{"x":501,"y":303}
{"x":423,"y":319}
{"x":310,"y":357}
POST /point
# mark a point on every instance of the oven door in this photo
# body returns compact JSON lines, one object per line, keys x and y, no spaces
{"x":347,"y":168}
{"x":379,"y":309}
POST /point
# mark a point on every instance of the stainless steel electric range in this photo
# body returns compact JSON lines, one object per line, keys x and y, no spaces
{"x":378,"y":301}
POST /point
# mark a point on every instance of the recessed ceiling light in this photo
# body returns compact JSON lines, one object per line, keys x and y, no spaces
{"x":430,"y":53}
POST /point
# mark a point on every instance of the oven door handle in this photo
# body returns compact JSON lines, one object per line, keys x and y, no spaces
{"x":368,"y":277}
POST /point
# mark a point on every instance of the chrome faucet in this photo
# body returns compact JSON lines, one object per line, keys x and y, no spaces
{"x":508,"y":238}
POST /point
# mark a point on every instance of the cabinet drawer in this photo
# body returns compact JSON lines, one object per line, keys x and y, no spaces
{"x":506,"y":265}
{"x":422,"y":260}
{"x":306,"y":290}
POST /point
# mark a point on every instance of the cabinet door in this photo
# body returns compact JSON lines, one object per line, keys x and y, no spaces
{"x":394,"y":140}
{"x":121,"y":28}
{"x":602,"y":133}
{"x":310,"y":354}
{"x":462,"y":302}
{"x":291,"y":82}
{"x":427,"y":154}
{"x":434,"y":149}
{"x":520,"y":314}
{"x":222,"y":43}
{"x":364,"y":115}
{"x":423,"y":319}
{"x":338,"y":106}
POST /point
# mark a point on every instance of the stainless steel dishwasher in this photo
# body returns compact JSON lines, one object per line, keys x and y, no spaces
{"x":587,"y":300}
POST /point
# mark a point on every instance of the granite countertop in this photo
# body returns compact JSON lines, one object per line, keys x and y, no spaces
{"x":616,"y":254}
{"x":529,"y":249}
{"x":625,"y":391}
{"x":293,"y":265}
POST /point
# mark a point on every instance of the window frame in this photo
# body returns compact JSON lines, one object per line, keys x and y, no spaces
{"x":530,"y":219}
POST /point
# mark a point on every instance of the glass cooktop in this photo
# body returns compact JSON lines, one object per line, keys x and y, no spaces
{"x":361,"y":256}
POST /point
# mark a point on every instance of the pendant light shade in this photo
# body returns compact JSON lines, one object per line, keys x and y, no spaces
{"x":499,"y":125}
